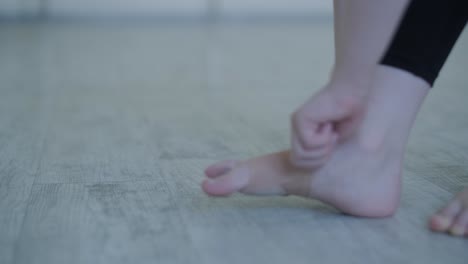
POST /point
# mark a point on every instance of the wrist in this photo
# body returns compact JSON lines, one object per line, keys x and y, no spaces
{"x":351,"y":81}
{"x":356,"y":77}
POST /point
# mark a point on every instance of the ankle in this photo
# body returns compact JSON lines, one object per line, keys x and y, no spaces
{"x":371,"y":142}
{"x":384,"y":123}
{"x":381,"y":136}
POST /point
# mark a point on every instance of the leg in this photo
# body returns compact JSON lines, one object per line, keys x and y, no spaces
{"x":363,"y":29}
{"x":423,"y":51}
{"x":363,"y":175}
{"x":360,"y":42}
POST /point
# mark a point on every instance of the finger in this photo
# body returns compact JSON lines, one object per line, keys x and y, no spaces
{"x":303,"y":129}
{"x":318,"y":138}
{"x":330,"y":108}
{"x":323,"y":136}
{"x":333,"y":141}
{"x":313,"y":159}
{"x":302,"y":154}
{"x":310,"y":134}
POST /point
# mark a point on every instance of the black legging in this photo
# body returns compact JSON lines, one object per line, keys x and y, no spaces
{"x":426,"y":35}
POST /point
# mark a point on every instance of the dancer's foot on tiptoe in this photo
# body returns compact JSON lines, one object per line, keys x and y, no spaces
{"x":452,"y":218}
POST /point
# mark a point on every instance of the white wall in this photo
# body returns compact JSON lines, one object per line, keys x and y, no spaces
{"x":275,"y":7}
{"x":19,"y":7}
{"x":127,"y":7}
{"x":164,"y":7}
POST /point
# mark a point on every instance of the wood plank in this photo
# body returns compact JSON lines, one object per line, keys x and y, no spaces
{"x":277,"y":229}
{"x":99,"y":131}
{"x":22,"y":129}
{"x":133,"y":222}
{"x":130,"y":117}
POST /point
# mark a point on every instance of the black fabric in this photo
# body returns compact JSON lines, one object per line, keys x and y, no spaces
{"x":427,"y":33}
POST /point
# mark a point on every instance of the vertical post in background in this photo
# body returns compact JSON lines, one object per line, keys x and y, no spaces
{"x":212,"y":52}
{"x":213,"y":10}
{"x":43,"y":9}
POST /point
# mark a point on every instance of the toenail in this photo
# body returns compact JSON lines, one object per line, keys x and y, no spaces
{"x":444,"y":222}
{"x":457,"y":231}
{"x":210,"y":181}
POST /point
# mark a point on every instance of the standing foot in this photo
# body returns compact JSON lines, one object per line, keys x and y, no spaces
{"x":453,"y":217}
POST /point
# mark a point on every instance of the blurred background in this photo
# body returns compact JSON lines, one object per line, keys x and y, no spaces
{"x":162,"y":8}
{"x":106,"y":128}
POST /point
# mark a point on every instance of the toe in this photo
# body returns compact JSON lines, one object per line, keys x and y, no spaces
{"x":460,"y":224}
{"x":443,"y":219}
{"x":233,"y":181}
{"x":439,"y":223}
{"x":220,"y":168}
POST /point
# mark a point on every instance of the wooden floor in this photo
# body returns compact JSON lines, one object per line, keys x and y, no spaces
{"x":105,"y":131}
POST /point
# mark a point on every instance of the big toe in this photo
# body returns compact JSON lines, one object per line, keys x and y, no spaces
{"x":226,"y":181}
{"x":220,"y":168}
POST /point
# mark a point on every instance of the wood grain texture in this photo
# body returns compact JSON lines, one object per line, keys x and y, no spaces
{"x":103,"y":223}
{"x":22,"y":130}
{"x":105,"y":131}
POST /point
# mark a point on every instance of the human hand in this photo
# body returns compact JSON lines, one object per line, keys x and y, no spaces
{"x":328,"y":117}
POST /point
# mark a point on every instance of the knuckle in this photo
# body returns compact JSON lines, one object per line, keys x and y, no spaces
{"x":298,"y":116}
{"x":295,"y":155}
{"x":293,"y":159}
{"x":294,"y":117}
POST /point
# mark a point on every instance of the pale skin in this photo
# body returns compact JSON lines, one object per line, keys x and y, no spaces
{"x":362,"y":175}
{"x":348,"y":140}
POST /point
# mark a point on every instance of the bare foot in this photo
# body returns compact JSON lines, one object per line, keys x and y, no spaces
{"x":363,"y":174}
{"x":352,"y":181}
{"x":453,"y":218}
{"x":328,"y":117}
